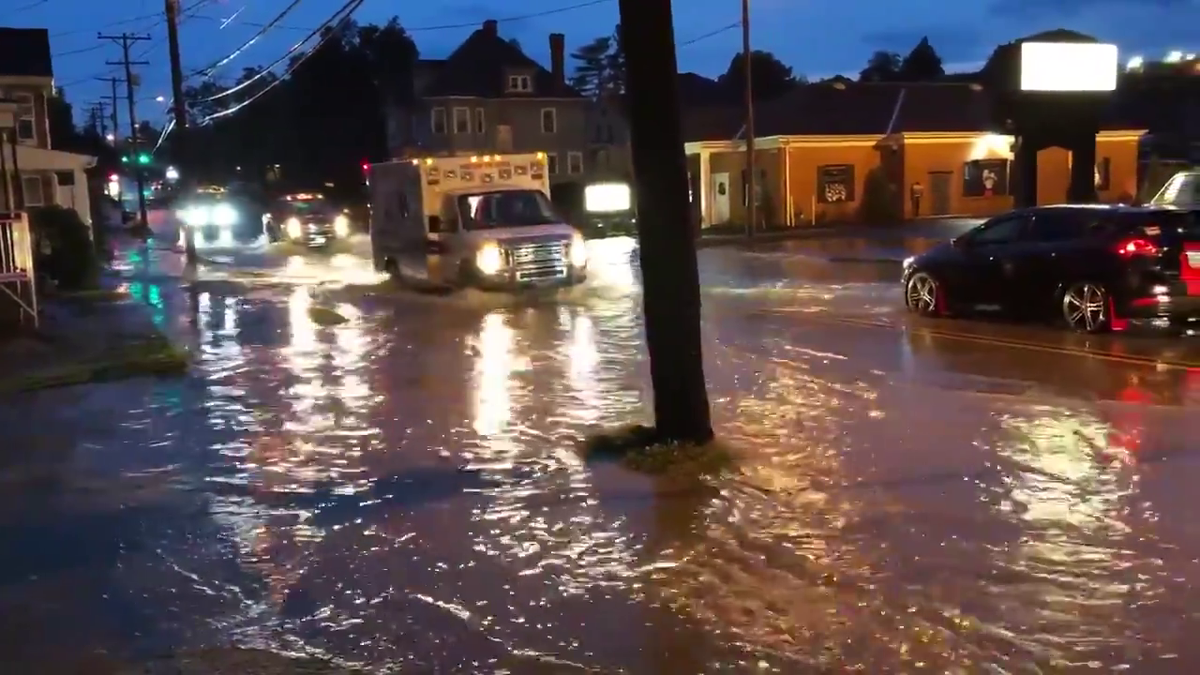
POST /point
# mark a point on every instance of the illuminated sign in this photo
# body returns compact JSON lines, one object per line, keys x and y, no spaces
{"x":1068,"y":66}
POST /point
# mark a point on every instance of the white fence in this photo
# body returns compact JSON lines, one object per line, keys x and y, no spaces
{"x":17,"y":276}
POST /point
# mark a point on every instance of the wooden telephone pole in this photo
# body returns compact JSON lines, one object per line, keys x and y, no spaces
{"x":671,"y":283}
{"x":751,"y":179}
{"x":113,"y":108}
{"x":126,"y":40}
{"x":179,"y":106}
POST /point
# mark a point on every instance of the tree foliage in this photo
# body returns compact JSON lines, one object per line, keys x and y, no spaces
{"x":600,"y":66}
{"x":921,"y":65}
{"x":315,"y":127}
{"x":769,"y":77}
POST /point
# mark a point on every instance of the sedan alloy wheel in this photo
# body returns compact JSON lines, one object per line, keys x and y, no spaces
{"x":921,"y":295}
{"x":1085,"y":308}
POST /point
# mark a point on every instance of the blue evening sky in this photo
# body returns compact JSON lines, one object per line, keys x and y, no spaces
{"x":817,"y":38}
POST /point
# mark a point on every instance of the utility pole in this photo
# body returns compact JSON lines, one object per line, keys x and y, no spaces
{"x":112,"y":106}
{"x":125,"y":40}
{"x":751,"y":181}
{"x":667,"y":236}
{"x":179,"y":106}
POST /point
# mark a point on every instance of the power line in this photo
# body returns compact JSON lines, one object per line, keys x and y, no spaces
{"x":338,"y":17}
{"x":246,"y":45}
{"x":341,"y":16}
{"x":711,"y":34}
{"x":453,"y":26}
{"x":32,"y":5}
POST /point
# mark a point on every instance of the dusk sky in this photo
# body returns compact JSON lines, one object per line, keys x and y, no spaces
{"x":816,"y":38}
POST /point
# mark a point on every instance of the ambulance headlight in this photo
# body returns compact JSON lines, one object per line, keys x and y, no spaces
{"x":579,"y":253}
{"x":196,"y":216}
{"x":489,"y":259}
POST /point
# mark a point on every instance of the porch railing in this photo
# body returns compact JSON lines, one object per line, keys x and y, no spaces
{"x":17,"y":276}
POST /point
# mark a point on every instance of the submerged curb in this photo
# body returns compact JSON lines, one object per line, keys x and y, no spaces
{"x":155,"y":357}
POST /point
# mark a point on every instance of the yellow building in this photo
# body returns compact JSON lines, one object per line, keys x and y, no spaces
{"x":816,"y":148}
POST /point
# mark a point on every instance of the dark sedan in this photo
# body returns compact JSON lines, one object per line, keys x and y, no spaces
{"x":307,"y":219}
{"x":1090,"y":268}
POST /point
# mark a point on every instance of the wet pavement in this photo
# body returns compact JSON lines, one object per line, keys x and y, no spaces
{"x":400,"y":490}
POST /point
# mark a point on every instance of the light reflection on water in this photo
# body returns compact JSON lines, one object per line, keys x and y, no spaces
{"x":402,"y":489}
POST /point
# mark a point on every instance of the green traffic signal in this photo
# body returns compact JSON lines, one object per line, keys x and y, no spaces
{"x":124,"y":159}
{"x":143,"y":159}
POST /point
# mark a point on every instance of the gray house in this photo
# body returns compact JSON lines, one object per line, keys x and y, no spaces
{"x":488,"y":97}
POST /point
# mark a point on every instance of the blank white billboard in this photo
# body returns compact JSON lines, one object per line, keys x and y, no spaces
{"x":1068,"y":66}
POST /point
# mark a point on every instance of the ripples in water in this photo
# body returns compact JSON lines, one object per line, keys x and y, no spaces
{"x":401,"y":489}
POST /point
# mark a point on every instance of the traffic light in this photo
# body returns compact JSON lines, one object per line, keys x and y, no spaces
{"x":143,"y":158}
{"x":124,"y":159}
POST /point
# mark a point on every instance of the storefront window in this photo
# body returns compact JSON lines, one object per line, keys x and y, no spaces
{"x":835,"y":184}
{"x":985,"y":178}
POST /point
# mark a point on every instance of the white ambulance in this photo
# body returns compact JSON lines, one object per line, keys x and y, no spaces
{"x":483,"y":221}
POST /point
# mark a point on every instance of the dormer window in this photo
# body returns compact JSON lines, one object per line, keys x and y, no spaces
{"x":520,"y":83}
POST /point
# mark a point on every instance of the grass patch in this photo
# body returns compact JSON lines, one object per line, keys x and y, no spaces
{"x":94,"y":295}
{"x":639,"y":448}
{"x":153,"y":356}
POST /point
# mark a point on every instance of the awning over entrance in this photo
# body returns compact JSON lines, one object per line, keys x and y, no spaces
{"x":31,"y":158}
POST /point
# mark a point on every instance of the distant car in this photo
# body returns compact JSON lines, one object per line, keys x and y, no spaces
{"x":217,"y":218}
{"x":305,"y":218}
{"x":1090,"y":268}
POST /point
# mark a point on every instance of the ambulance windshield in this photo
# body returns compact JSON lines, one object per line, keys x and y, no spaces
{"x":506,"y":208}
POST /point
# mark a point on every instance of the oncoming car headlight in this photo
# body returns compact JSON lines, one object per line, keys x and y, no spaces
{"x":224,"y":215}
{"x":196,"y":216}
{"x":489,"y":259}
{"x":294,"y":230}
{"x":579,"y":253}
{"x":341,"y":226}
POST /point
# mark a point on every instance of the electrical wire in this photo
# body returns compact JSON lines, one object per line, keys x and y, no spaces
{"x":23,"y":8}
{"x":336,"y":20}
{"x":710,"y":34}
{"x":457,"y":26}
{"x":248,"y":43}
{"x":338,"y":17}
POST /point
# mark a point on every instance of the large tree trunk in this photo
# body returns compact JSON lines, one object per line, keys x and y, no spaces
{"x":671,"y":297}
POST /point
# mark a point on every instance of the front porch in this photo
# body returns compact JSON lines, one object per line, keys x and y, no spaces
{"x":42,"y":177}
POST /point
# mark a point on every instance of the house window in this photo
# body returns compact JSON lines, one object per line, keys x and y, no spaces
{"x":438,"y":119}
{"x":985,"y":178}
{"x":462,"y":120}
{"x":34,"y":196}
{"x":835,"y":183}
{"x":480,"y":122}
{"x":549,"y":121}
{"x":574,"y":162}
{"x":552,"y":163}
{"x":1104,"y":174}
{"x":26,"y":118}
{"x":519,"y":83}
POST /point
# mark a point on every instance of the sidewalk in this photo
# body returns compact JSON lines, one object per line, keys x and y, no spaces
{"x":880,"y":243}
{"x":87,"y":337}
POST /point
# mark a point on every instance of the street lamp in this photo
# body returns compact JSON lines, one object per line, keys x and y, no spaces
{"x":160,"y":99}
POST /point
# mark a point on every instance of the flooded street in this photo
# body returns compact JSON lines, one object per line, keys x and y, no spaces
{"x":398,"y":489}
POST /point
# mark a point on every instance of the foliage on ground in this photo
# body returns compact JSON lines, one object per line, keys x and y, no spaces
{"x":150,"y":356}
{"x":66,"y":254}
{"x":640,"y":448}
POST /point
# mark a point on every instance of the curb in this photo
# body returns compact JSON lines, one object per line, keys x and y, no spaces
{"x":132,"y":361}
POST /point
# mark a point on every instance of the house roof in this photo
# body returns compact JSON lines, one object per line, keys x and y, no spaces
{"x":871,"y":109}
{"x":478,"y":66}
{"x":25,"y":52}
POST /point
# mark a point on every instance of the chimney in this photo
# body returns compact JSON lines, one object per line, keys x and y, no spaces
{"x":491,"y":27}
{"x":558,"y":43}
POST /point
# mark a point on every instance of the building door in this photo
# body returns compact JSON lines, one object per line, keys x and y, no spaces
{"x":720,"y":196}
{"x":504,"y":141}
{"x":940,"y":184}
